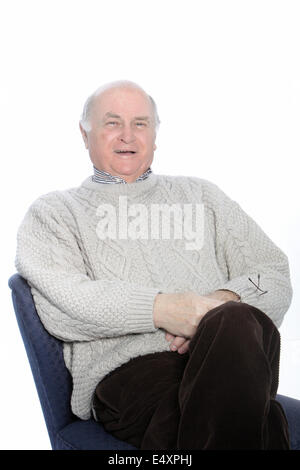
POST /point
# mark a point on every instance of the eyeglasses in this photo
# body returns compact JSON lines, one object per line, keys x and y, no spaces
{"x":257,"y":285}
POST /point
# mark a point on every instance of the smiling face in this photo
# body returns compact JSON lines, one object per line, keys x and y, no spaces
{"x":122,"y":136}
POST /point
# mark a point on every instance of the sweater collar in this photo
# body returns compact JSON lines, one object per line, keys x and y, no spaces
{"x":114,"y":190}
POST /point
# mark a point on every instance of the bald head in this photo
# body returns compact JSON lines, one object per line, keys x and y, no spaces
{"x":95,"y":98}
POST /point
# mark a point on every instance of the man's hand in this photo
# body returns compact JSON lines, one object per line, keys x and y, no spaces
{"x":180,"y":314}
{"x":181,"y":343}
{"x":225,"y":295}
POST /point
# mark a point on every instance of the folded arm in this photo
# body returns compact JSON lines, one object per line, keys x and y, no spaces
{"x":256,"y":269}
{"x":71,"y":305}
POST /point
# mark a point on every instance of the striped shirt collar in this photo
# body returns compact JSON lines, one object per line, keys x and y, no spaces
{"x":101,"y":176}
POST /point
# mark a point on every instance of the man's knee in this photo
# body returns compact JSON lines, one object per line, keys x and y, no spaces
{"x":239,"y":313}
{"x":237,"y":320}
{"x":229,"y":311}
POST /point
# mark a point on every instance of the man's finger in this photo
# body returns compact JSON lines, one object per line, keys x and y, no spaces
{"x":177,"y":343}
{"x":169,"y":337}
{"x":184,"y":348}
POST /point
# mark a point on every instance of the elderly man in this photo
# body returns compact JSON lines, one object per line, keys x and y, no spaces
{"x":171,"y":345}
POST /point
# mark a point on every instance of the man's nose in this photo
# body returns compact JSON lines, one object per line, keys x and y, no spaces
{"x":127,"y":135}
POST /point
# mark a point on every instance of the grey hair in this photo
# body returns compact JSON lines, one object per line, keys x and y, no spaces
{"x":85,"y":117}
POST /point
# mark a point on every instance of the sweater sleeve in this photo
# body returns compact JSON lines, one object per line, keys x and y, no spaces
{"x":72,"y":306}
{"x":256,"y":269}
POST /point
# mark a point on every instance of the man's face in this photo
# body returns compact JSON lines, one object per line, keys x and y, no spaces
{"x":122,"y":138}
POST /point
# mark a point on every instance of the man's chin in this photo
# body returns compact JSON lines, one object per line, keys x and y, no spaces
{"x":128,"y":172}
{"x":130,"y":177}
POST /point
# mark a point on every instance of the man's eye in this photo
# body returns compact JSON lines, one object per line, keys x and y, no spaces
{"x":141,"y":124}
{"x":112,"y":123}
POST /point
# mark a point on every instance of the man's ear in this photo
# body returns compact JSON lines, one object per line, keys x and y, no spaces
{"x":84,"y":136}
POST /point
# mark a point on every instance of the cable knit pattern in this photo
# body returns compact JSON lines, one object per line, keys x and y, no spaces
{"x":97,"y":295}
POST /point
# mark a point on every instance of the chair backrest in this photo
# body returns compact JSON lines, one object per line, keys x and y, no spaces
{"x":45,"y":354}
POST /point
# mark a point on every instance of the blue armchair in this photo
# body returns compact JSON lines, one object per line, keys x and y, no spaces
{"x":54,"y":385}
{"x":53,"y":381}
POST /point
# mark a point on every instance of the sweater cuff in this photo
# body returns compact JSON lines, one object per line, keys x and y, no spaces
{"x":244,"y":288}
{"x":140,"y":310}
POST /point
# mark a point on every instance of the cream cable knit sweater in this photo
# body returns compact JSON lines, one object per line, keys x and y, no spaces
{"x":97,"y":295}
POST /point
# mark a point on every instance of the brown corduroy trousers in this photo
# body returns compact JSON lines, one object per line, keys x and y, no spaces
{"x":218,"y":395}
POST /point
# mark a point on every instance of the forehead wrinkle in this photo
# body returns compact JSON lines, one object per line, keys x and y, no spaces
{"x":113,"y":115}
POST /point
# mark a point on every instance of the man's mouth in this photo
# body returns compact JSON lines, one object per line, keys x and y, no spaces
{"x":125,"y":152}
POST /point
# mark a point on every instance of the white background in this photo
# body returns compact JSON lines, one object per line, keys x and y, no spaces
{"x":226,"y":79}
